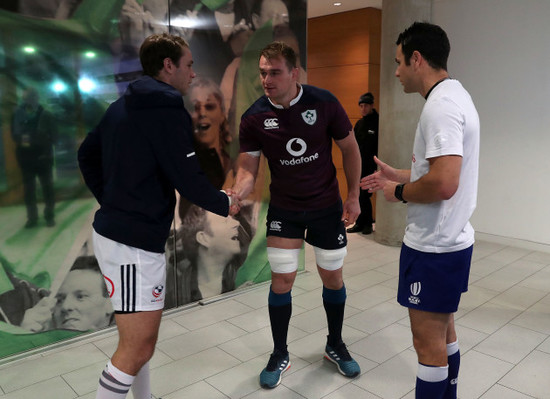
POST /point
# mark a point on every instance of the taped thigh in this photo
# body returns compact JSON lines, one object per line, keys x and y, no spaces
{"x":330,"y":259}
{"x":283,"y":260}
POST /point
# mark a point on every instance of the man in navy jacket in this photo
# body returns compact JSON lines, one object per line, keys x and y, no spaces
{"x":133,"y":161}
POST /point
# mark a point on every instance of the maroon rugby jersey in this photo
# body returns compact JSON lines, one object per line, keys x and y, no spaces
{"x":297,"y":143}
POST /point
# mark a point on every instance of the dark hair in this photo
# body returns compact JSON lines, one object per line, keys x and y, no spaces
{"x":156,"y":48}
{"x":429,"y":40}
{"x":280,"y":49}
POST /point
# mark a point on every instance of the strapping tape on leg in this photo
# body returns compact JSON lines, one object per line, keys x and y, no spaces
{"x":283,"y":260}
{"x":330,"y":259}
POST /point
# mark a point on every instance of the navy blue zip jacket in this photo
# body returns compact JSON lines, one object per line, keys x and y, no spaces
{"x":133,"y":160}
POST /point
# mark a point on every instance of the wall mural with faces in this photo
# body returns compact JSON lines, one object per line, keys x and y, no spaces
{"x":62,"y":62}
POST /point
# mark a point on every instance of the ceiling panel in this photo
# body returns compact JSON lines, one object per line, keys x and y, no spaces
{"x":317,"y":8}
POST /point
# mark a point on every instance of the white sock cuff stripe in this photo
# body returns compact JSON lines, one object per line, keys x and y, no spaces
{"x":119,"y":375}
{"x":432,"y":373}
{"x":452,"y":348}
{"x":108,"y":382}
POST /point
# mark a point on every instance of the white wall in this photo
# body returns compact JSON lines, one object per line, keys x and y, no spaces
{"x":500,"y":51}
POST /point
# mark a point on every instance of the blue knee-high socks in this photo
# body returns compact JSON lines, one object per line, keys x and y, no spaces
{"x":431,"y":382}
{"x":453,"y":358}
{"x":280,"y":310}
{"x":334,"y":302}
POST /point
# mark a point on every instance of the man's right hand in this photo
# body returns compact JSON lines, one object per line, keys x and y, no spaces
{"x":235,"y":202}
{"x":377,"y":180}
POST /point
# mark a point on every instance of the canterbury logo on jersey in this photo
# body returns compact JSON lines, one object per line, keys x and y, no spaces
{"x":271,"y":123}
{"x":128,"y":287}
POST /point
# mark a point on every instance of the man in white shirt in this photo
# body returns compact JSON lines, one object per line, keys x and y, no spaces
{"x":441,"y":192}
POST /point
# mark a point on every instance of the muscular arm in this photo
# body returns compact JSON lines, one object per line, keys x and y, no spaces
{"x":352,"y":163}
{"x":352,"y":169}
{"x":247,"y":170}
{"x":440,"y":183}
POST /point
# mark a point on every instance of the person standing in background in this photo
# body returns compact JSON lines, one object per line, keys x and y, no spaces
{"x":34,"y":131}
{"x":366,"y":134}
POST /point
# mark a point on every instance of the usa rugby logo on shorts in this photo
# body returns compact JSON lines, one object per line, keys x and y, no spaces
{"x":157,"y":291}
{"x":110,"y":286}
{"x":415,"y":291}
{"x":310,"y":116}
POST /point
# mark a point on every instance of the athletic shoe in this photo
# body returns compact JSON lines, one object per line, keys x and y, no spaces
{"x":278,"y":363}
{"x":340,"y":356}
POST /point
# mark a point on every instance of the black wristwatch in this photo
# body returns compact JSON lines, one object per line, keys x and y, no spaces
{"x":398,"y":193}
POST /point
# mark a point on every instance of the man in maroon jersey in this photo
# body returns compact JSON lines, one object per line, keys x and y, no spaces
{"x":293,"y":125}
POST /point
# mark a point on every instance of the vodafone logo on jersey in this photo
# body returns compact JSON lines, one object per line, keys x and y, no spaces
{"x":271,"y":123}
{"x":297,"y":147}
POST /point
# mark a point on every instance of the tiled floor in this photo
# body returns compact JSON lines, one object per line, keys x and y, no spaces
{"x":217,"y":351}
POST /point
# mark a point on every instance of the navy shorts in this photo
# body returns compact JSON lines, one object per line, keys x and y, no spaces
{"x":321,"y":228}
{"x":433,"y":282}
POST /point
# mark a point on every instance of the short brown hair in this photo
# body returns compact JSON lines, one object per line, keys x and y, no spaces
{"x":156,"y":48}
{"x":280,"y":49}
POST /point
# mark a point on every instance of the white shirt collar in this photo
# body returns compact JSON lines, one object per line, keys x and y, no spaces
{"x":293,"y":101}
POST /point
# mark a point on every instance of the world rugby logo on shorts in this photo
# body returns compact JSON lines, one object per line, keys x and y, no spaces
{"x":415,"y":291}
{"x":157,"y":291}
{"x":416,"y":287}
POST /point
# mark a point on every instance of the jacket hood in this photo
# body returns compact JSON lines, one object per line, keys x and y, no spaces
{"x":147,"y":92}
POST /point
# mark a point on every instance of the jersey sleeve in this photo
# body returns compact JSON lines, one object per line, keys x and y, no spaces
{"x":339,"y":124}
{"x":178,"y":160}
{"x":248,"y":140}
{"x":443,"y":127}
{"x":89,"y":162}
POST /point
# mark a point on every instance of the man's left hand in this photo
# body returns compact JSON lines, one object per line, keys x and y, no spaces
{"x":351,"y":211}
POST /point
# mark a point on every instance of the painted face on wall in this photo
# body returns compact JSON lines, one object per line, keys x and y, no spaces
{"x":207,"y":116}
{"x":224,"y":235}
{"x":273,"y":10}
{"x":80,"y":302}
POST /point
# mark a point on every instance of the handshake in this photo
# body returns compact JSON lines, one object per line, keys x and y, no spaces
{"x":234,"y":201}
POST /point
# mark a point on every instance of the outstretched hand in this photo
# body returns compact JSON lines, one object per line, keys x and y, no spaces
{"x":377,"y":180}
{"x":385,"y":179}
{"x":235,"y":202}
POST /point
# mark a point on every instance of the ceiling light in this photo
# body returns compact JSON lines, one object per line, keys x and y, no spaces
{"x":337,"y":3}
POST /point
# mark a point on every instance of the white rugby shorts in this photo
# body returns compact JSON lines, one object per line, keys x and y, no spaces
{"x":135,"y":278}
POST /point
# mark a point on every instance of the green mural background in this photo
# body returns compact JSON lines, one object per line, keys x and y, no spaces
{"x":78,"y":57}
